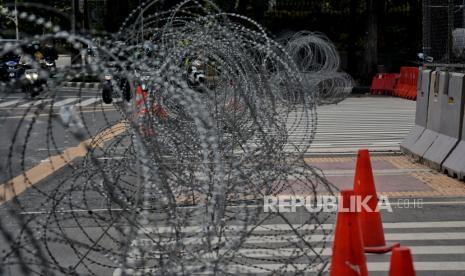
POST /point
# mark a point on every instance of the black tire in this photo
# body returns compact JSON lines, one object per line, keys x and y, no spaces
{"x":126,"y":88}
{"x":107,"y":95}
{"x":29,"y":90}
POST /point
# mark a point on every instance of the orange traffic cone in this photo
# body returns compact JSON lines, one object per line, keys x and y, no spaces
{"x":141,"y":97}
{"x":348,"y":258}
{"x":401,"y":262}
{"x":370,"y":220}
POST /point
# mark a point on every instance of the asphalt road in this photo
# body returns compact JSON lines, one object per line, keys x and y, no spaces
{"x":33,"y":129}
{"x":86,"y":231}
{"x":433,"y":228}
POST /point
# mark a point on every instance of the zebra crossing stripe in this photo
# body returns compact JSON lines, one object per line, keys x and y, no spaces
{"x":326,"y":238}
{"x":296,"y":267}
{"x":48,"y":101}
{"x":282,"y":258}
{"x":65,"y":102}
{"x":309,"y":227}
{"x":288,"y":251}
{"x":26,"y":104}
{"x":357,"y":122}
{"x":35,"y":103}
{"x":10,"y":103}
{"x":88,"y":102}
{"x":420,"y":266}
{"x":425,"y":236}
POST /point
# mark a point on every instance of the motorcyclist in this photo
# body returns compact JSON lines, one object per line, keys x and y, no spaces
{"x":50,"y":54}
{"x":10,"y":56}
{"x":32,"y":52}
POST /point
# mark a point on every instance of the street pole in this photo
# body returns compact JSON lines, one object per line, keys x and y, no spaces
{"x":86,"y":15}
{"x":450,"y":28}
{"x":16,"y":22}
{"x":73,"y":17}
{"x":142,"y":21}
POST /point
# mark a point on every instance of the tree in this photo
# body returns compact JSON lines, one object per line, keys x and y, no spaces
{"x":352,"y":38}
{"x":116,"y":12}
{"x":13,"y":18}
{"x":371,"y":46}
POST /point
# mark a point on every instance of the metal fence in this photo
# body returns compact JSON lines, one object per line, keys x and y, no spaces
{"x":444,"y":31}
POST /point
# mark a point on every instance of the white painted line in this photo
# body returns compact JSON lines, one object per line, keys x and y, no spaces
{"x":294,"y":267}
{"x":36,"y":103}
{"x":9,"y":103}
{"x":375,"y":172}
{"x":424,"y":224}
{"x":42,"y":102}
{"x":422,"y":266}
{"x":55,"y":113}
{"x":65,"y":102}
{"x":68,"y":211}
{"x":26,"y":104}
{"x":439,"y":249}
{"x":88,"y":102}
{"x":372,"y":266}
{"x":112,"y":158}
{"x":51,"y":149}
{"x":318,"y":238}
{"x":290,"y":251}
{"x":444,"y":203}
{"x":425,"y":236}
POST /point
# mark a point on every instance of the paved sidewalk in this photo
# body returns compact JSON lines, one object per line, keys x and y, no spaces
{"x":395,"y":176}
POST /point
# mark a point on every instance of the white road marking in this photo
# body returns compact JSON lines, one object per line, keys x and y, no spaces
{"x":307,"y":227}
{"x":375,"y":123}
{"x":292,"y":251}
{"x":88,"y":102}
{"x":10,"y":103}
{"x":421,"y":266}
{"x":65,"y":102}
{"x":266,"y":239}
{"x":296,"y":267}
{"x":36,"y":103}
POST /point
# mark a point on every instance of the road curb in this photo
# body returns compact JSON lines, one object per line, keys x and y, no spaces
{"x":89,"y":85}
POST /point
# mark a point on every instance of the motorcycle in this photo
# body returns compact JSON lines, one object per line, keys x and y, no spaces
{"x":109,"y":89}
{"x":49,"y":64}
{"x":35,"y":80}
{"x":196,"y":74}
{"x":33,"y":84}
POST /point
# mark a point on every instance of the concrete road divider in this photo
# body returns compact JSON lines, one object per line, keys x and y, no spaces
{"x":455,"y":163}
{"x":430,"y":134}
{"x":421,"y":112}
{"x":450,"y":118}
{"x":438,"y":137}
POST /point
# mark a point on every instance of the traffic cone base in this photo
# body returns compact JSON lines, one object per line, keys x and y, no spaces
{"x":381,"y":249}
{"x":401,"y":263}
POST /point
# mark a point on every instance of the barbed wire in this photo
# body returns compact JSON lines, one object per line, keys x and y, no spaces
{"x":209,"y":115}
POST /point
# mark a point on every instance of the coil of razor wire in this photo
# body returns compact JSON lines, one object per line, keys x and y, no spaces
{"x":209,"y":115}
